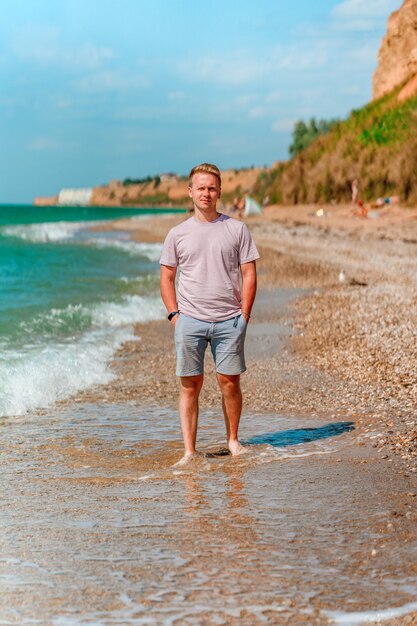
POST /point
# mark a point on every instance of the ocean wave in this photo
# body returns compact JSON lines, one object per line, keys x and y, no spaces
{"x":70,"y":350}
{"x":132,"y":309}
{"x":79,"y":318}
{"x":75,"y":233}
{"x":45,"y":375}
{"x":74,"y":318}
{"x":151,"y":251}
{"x":44,"y":232}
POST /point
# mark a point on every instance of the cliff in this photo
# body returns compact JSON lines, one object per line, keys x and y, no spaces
{"x":397,"y":58}
{"x":45,"y":201}
{"x":376,"y":144}
{"x":170,"y":191}
{"x":163,"y":190}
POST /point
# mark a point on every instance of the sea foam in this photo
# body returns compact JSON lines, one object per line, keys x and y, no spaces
{"x":44,"y":232}
{"x":151,"y":251}
{"x":361,"y":618}
{"x":76,"y":318}
{"x":40,"y":378}
{"x":133,"y":309}
{"x":40,"y":374}
{"x":75,"y":233}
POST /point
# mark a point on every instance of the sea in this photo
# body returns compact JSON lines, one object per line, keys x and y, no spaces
{"x":69,"y":298}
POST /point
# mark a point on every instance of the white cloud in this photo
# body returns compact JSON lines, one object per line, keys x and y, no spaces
{"x":242,"y":68}
{"x":42,"y":45}
{"x":89,"y":57}
{"x":283,"y":126}
{"x":358,"y":8}
{"x":236,"y":69}
{"x":110,"y":80}
{"x":364,"y":55}
{"x":274,"y":96}
{"x":42,"y":144}
{"x":61,"y":102}
{"x":303,"y":58}
{"x":175,"y":96}
{"x":246,"y":99}
{"x":351,"y":90}
{"x":258,"y":112}
{"x":361,"y":14}
{"x":140,"y":113}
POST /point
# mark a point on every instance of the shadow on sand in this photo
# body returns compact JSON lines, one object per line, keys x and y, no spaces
{"x":294,"y":437}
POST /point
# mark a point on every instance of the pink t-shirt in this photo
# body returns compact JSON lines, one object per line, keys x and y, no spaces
{"x":209,"y":255}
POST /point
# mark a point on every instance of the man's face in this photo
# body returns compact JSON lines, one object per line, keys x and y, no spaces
{"x":204,"y":191}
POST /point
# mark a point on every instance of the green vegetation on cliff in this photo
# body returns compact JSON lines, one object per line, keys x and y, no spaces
{"x":304,"y":134}
{"x":376,"y":144}
{"x":156,"y":180}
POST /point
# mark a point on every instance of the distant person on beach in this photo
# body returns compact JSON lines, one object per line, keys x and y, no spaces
{"x":213,"y":252}
{"x":355,"y":191}
{"x":238,"y":207}
{"x":361,"y":211}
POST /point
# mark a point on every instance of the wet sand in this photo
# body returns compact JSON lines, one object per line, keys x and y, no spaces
{"x":316,"y":525}
{"x":97,"y":528}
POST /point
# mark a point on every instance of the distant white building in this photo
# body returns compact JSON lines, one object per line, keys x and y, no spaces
{"x":168,"y":176}
{"x":75,"y":197}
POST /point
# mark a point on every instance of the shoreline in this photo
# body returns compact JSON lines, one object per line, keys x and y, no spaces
{"x":341,"y":354}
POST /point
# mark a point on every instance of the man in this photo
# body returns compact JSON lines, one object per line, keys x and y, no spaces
{"x":213,"y":252}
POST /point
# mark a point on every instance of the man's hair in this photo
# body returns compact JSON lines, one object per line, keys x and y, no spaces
{"x":205,"y":168}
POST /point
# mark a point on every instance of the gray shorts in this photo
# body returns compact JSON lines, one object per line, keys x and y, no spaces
{"x":226,"y":340}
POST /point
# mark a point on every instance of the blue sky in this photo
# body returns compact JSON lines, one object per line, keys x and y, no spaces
{"x":94,"y":90}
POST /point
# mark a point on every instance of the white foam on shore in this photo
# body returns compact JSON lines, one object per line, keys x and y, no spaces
{"x":132,"y":309}
{"x":45,"y":232}
{"x":137,"y":614}
{"x":55,"y":232}
{"x":40,"y":374}
{"x":296,"y":452}
{"x":65,"y":232}
{"x":57,"y":371}
{"x":151,"y":251}
{"x":340,"y":618}
{"x":74,"y":318}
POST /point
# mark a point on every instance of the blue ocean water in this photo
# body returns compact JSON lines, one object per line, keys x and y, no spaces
{"x":69,"y":298}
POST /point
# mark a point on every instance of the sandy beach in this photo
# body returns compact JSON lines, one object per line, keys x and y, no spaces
{"x":357,"y":339}
{"x":317,"y":525}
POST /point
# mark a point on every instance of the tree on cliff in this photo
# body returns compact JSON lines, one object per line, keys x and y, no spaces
{"x":304,"y":134}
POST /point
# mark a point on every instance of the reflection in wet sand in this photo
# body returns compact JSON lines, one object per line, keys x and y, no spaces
{"x":98,"y":528}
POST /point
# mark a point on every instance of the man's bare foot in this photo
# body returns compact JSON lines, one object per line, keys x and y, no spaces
{"x":236,"y":448}
{"x":189,"y":458}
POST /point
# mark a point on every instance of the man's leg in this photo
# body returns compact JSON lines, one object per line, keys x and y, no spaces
{"x":232,"y":408}
{"x":190,"y":387}
{"x":191,"y":343}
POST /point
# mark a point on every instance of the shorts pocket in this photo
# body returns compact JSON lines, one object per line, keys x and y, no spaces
{"x":179,"y":317}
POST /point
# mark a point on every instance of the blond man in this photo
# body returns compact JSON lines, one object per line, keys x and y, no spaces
{"x":216,"y":258}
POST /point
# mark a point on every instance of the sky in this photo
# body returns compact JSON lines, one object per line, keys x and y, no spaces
{"x":97,"y":90}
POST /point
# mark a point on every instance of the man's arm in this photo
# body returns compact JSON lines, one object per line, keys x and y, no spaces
{"x":249,"y":283}
{"x":167,"y":287}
